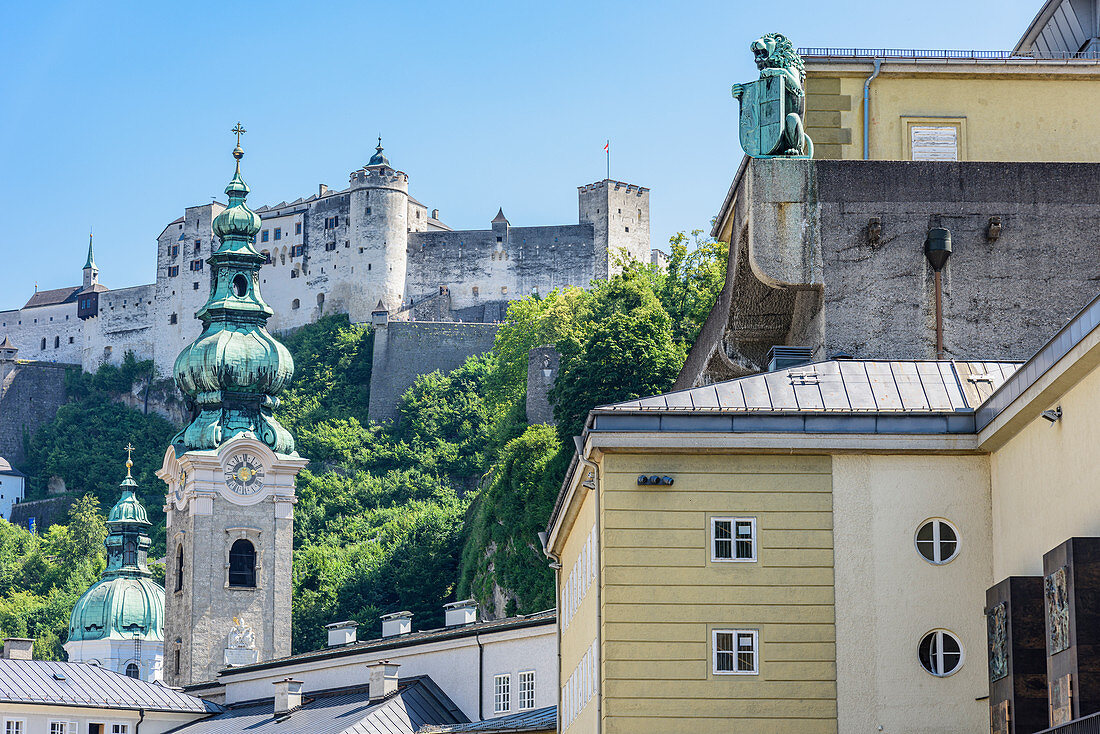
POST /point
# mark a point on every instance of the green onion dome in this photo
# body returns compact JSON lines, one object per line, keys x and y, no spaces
{"x":125,"y":603}
{"x":233,"y":372}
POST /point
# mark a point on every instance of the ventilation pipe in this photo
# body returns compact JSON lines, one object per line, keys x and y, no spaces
{"x":341,"y":633}
{"x":867,"y":111}
{"x":937,"y":248}
{"x":18,"y":648}
{"x":398,"y":623}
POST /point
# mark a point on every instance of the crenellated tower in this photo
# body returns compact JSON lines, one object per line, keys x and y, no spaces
{"x":230,"y":472}
{"x":378,"y":214}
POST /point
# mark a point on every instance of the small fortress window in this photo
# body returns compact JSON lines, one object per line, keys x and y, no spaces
{"x":295,"y":303}
{"x":263,"y":236}
{"x":173,"y":271}
{"x":475,"y":291}
{"x":196,"y":265}
{"x":294,"y":274}
{"x":173,"y":319}
{"x":195,"y":286}
{"x":198,"y":245}
{"x":278,"y":233}
{"x":179,"y":568}
{"x":298,"y":227}
{"x":330,"y":246}
{"x":43,"y":342}
{"x":242,"y":563}
{"x":368,"y":211}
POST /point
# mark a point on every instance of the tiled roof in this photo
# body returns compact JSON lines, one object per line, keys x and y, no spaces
{"x":841,"y":386}
{"x":418,"y":702}
{"x":537,"y":720}
{"x":413,"y":638}
{"x":77,"y":684}
{"x":53,"y":297}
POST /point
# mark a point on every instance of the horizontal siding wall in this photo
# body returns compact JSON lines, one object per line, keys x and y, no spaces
{"x":662,"y":595}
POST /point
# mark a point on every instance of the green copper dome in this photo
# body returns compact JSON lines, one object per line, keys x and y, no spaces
{"x":378,"y":159}
{"x":234,"y":371}
{"x":125,"y":603}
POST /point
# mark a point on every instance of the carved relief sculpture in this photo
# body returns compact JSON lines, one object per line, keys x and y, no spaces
{"x":772,"y":107}
{"x":1057,"y":603}
{"x":997,"y":631}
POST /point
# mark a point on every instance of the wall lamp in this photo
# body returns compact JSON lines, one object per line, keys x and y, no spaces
{"x":1053,"y":415}
{"x":654,"y":479}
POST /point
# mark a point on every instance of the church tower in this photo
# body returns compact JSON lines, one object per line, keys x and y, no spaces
{"x":91,"y":272}
{"x":230,"y":472}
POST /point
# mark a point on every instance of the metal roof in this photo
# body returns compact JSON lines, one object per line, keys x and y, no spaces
{"x":397,"y":641}
{"x":53,"y":297}
{"x":78,"y":684}
{"x":840,"y":386}
{"x":544,"y":719}
{"x":418,"y":702}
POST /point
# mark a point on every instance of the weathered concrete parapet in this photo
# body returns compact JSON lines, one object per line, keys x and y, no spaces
{"x":784,"y":223}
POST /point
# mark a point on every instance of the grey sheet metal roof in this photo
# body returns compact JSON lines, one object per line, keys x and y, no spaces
{"x":535,"y":720}
{"x":840,"y":396}
{"x":77,"y":684}
{"x":418,"y":702}
{"x":413,"y":638}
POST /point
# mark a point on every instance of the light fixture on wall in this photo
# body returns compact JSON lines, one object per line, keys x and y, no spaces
{"x":1054,"y":415}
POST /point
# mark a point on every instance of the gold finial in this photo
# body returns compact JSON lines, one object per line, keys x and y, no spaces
{"x":129,"y":459}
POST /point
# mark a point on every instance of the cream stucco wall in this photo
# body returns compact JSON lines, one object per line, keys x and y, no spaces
{"x":888,"y":597}
{"x":1046,"y":488}
{"x":1019,"y":111}
{"x":36,"y":718}
{"x":578,"y":630}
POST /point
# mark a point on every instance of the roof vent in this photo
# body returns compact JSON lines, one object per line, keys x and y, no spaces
{"x":59,"y":676}
{"x":781,"y":357}
{"x":459,"y":613}
{"x":398,"y":623}
{"x":341,"y":633}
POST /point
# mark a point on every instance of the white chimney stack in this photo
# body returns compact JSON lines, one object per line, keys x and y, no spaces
{"x":322,"y":189}
{"x":460,"y":613}
{"x":383,"y":679}
{"x":19,"y":648}
{"x":341,"y":633}
{"x":398,"y":623}
{"x":288,"y":695}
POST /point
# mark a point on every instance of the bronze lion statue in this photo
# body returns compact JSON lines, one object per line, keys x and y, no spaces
{"x":776,"y":56}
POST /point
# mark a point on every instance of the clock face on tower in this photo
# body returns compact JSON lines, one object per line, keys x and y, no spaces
{"x":244,"y":475}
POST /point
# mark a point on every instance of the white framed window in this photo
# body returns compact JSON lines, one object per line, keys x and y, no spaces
{"x":940,"y":653}
{"x":526,"y":690}
{"x":937,"y":541}
{"x":15,"y":726}
{"x":736,"y":652}
{"x":62,"y":727}
{"x":502,"y":693}
{"x":733,"y":539}
{"x":120,"y":729}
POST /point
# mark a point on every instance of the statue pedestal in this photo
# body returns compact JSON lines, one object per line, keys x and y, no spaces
{"x":239,"y":656}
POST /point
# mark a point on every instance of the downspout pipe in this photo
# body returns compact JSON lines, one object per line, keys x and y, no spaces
{"x":599,"y":578}
{"x":480,"y":677}
{"x":555,"y":566}
{"x":867,"y":111}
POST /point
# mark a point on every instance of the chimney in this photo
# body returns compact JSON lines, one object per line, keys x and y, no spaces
{"x":322,"y":189}
{"x":460,"y":613}
{"x":398,"y":623}
{"x":383,"y":679}
{"x":435,"y":214}
{"x":341,"y":633}
{"x":19,"y":648}
{"x":288,"y":695}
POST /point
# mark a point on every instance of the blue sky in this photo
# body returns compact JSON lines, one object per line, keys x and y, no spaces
{"x":115,"y":116}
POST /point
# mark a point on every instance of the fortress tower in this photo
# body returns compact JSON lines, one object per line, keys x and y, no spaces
{"x":619,"y":213}
{"x":378,"y":216}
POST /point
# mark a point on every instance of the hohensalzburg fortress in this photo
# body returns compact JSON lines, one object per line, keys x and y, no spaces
{"x":369,"y":247}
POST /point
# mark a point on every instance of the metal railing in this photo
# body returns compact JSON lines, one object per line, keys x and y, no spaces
{"x":1085,"y":725}
{"x":912,"y":53}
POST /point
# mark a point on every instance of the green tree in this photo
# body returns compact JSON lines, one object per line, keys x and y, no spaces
{"x":690,"y":286}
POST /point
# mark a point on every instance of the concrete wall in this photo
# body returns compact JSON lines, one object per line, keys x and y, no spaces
{"x":804,"y":269}
{"x":1044,"y":480}
{"x":662,"y":595}
{"x":405,"y":350}
{"x":47,"y":512}
{"x":1008,"y":111}
{"x":888,"y":597}
{"x":30,"y":394}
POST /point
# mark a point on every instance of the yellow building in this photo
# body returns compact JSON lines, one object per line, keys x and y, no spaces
{"x":808,"y":550}
{"x":1038,"y":102}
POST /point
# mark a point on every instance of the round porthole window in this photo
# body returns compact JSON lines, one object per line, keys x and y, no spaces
{"x":940,"y":653}
{"x":937,"y":541}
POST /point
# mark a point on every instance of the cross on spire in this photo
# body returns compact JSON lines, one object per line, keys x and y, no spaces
{"x":129,"y":458}
{"x":239,"y":131}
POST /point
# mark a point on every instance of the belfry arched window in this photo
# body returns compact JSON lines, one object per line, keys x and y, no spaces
{"x":133,"y":671}
{"x":242,"y":564}
{"x":130,"y":552}
{"x":179,"y":568}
